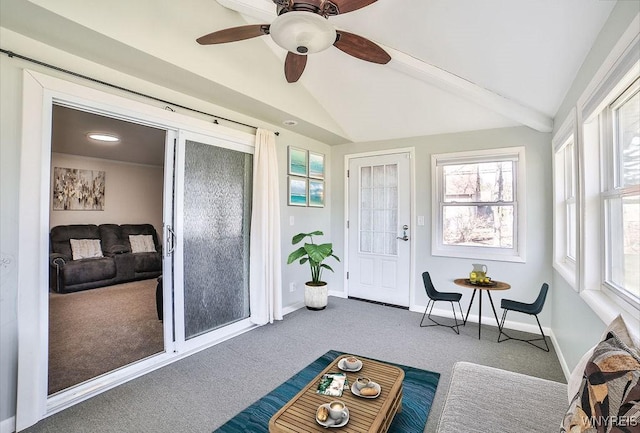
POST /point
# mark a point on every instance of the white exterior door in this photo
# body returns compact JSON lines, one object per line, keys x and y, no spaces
{"x":379,"y":230}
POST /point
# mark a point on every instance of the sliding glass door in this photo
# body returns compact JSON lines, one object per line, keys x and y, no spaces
{"x":213,"y":205}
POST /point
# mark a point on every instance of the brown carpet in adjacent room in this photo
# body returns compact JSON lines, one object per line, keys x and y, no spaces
{"x":99,"y":330}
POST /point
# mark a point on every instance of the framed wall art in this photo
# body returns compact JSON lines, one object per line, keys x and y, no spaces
{"x":297,"y":161}
{"x":316,"y":165}
{"x":316,"y":193}
{"x":76,"y":189}
{"x":298,"y":189}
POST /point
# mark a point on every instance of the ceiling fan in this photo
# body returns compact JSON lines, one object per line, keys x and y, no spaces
{"x":302,"y":28}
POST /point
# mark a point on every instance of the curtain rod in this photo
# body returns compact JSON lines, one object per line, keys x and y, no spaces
{"x":11,"y":54}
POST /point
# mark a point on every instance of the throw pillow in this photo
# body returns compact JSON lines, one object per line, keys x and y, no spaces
{"x":618,"y":327}
{"x":142,"y":244}
{"x":85,"y":249}
{"x":609,"y":395}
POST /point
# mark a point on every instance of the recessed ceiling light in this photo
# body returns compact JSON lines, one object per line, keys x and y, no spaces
{"x":290,"y":123}
{"x":100,"y":136}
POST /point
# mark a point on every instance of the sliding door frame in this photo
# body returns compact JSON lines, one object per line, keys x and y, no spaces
{"x":40,"y":92}
{"x":220,"y":334}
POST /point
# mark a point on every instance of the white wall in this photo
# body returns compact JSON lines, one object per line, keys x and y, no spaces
{"x":10,"y":139}
{"x":10,"y":88}
{"x":295,"y":219}
{"x":575,"y":325}
{"x":133,"y":193}
{"x":525,"y":278}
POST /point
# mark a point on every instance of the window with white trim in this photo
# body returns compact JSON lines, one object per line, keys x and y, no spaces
{"x":613,"y":133}
{"x":565,"y":224}
{"x":478,"y":200}
{"x":621,"y":194}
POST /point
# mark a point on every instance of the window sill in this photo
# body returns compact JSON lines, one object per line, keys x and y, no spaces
{"x":478,"y":256}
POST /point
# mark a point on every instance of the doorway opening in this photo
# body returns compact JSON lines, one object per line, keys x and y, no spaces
{"x":103,"y":310}
{"x":41,"y":94}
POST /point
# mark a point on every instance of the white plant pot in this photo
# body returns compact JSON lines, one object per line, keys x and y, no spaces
{"x":315,"y":297}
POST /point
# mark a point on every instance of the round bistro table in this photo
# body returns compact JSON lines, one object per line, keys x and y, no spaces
{"x":496,"y":285}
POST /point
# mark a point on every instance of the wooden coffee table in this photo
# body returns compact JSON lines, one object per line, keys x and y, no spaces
{"x":365,"y":414}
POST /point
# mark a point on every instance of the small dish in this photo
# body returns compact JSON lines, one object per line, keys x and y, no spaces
{"x":356,"y":391}
{"x":330,"y":422}
{"x":343,"y":367}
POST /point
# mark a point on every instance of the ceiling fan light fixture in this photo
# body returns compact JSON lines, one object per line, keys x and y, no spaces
{"x":302,"y":32}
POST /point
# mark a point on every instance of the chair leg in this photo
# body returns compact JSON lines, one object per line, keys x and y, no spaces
{"x":455,"y":319}
{"x":464,"y":322}
{"x":530,"y":341}
{"x":425,"y":313}
{"x":544,"y":337}
{"x":501,"y":325}
{"x":428,"y":316}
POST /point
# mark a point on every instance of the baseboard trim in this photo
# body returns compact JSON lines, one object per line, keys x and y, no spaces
{"x":8,"y":425}
{"x":292,"y":308}
{"x":563,"y":362}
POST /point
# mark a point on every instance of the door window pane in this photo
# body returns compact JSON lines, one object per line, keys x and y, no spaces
{"x":379,"y":209}
{"x":217,"y":196}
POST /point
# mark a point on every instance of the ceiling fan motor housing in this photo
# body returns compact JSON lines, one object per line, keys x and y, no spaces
{"x":302,"y":32}
{"x":322,"y":7}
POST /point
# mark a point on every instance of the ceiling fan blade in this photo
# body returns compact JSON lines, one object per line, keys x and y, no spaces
{"x":360,"y":47}
{"x":345,"y":6}
{"x":234,"y":34}
{"x":294,"y":66}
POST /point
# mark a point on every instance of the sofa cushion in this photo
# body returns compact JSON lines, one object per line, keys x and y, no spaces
{"x":112,"y":241}
{"x":147,"y":262}
{"x":85,"y":249}
{"x":88,"y":270}
{"x":142,"y":244}
{"x":139,"y":229}
{"x":609,"y":397}
{"x":60,"y":236}
{"x":484,"y":399}
{"x":618,"y":327}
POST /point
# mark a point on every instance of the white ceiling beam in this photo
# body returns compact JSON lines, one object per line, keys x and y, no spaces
{"x":401,"y":62}
{"x":466,"y":89}
{"x":260,"y":10}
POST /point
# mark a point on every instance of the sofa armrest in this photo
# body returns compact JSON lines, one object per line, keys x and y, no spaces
{"x":486,"y":399}
{"x":58,"y":260}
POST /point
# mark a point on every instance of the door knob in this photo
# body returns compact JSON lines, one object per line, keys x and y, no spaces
{"x":404,"y":233}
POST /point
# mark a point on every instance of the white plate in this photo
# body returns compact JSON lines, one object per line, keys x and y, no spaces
{"x":356,"y":391}
{"x":329,"y":424}
{"x":343,"y":367}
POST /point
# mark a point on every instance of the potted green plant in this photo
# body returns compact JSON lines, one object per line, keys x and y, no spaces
{"x":316,"y":290}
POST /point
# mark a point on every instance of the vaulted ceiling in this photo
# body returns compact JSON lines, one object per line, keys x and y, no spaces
{"x":456,"y":64}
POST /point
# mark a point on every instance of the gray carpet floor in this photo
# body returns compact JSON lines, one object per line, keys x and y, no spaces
{"x":203,"y":391}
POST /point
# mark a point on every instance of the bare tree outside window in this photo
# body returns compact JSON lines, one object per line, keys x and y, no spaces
{"x":478,"y":204}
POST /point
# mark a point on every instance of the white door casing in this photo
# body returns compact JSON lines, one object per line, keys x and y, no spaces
{"x":379,"y":208}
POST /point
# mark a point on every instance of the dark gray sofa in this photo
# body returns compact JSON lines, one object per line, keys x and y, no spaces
{"x":118,"y":264}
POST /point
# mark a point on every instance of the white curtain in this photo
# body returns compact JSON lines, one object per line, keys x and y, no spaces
{"x":265,"y":257}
